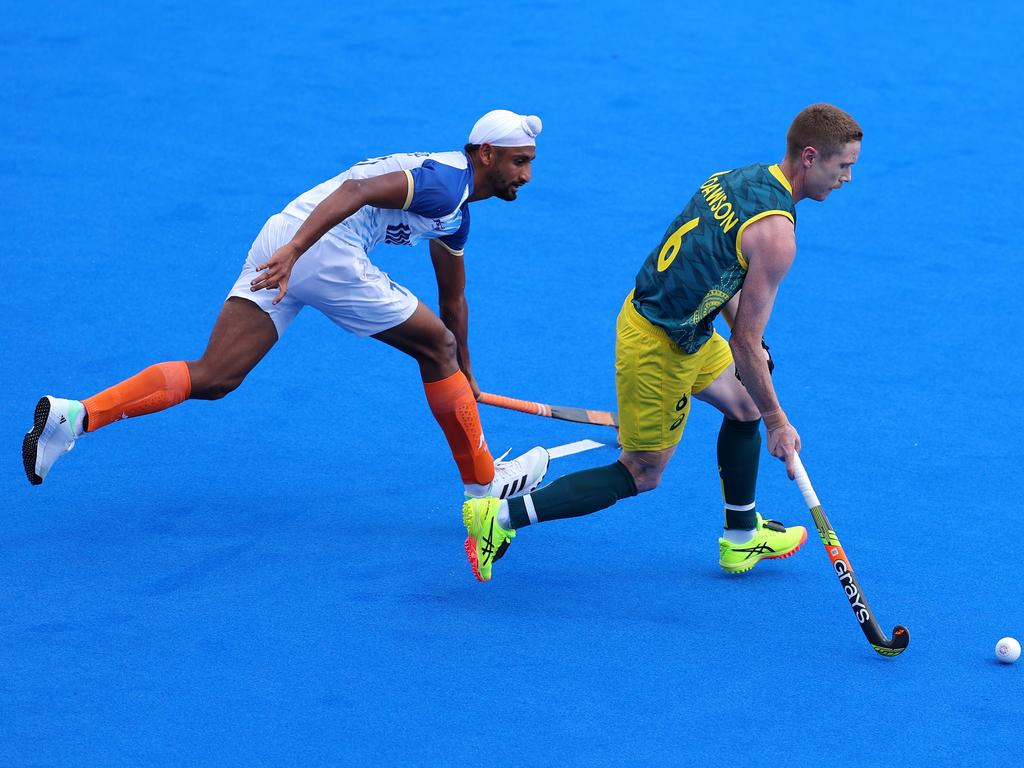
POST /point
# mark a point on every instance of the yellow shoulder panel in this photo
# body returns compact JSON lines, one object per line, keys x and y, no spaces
{"x":776,"y":171}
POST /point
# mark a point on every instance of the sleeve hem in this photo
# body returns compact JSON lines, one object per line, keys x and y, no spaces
{"x":412,"y":187}
{"x":448,"y":248}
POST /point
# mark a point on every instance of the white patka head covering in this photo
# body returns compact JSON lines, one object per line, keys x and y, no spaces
{"x":501,"y":128}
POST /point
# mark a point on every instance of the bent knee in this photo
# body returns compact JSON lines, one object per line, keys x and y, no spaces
{"x":212,"y":386}
{"x":744,"y":412}
{"x":647,"y":482}
{"x":646,"y":478}
{"x":215,"y":391}
{"x":739,"y":408}
{"x":441,"y":349}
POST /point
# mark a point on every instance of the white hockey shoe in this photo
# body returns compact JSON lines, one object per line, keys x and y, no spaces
{"x":517,"y":477}
{"x":56,"y":428}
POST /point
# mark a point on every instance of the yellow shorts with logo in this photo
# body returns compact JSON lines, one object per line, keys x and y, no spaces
{"x":655,"y":380}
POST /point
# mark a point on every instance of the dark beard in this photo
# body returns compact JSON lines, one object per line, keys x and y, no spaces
{"x":503,"y":187}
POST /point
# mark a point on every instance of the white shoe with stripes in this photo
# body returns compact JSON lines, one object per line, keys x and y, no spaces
{"x":55,"y":428}
{"x":519,"y":476}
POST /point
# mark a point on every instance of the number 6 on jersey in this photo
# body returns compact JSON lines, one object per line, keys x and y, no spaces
{"x":670,"y":249}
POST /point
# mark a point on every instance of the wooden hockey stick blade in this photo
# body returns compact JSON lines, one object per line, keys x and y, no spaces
{"x":563,"y":412}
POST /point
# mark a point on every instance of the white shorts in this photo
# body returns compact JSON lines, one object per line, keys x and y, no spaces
{"x":333,"y":276}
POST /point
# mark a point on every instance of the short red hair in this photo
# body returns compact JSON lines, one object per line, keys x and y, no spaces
{"x":824,"y":127}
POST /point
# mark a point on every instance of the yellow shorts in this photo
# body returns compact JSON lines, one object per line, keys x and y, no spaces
{"x":655,"y":379}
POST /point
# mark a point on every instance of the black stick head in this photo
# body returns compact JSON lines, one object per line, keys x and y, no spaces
{"x":896,"y":646}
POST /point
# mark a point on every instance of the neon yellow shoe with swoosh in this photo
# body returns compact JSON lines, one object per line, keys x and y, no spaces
{"x":771,"y":541}
{"x":487,"y":540}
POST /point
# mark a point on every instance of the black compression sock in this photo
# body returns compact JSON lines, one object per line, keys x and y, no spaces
{"x":739,"y":449}
{"x":573,"y":495}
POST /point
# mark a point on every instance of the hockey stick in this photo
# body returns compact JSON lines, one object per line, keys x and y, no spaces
{"x":571,"y":449}
{"x":843,"y":569}
{"x":565,"y":413}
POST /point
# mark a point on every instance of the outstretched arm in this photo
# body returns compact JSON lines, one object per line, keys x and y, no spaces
{"x":389,"y":190}
{"x":450,"y":271}
{"x":770,"y":247}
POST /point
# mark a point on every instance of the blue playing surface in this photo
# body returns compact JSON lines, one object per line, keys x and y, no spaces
{"x":278,"y":578}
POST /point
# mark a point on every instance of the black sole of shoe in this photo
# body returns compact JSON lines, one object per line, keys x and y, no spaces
{"x":30,"y":445}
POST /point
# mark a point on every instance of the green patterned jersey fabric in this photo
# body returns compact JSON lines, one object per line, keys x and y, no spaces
{"x":699,"y":264}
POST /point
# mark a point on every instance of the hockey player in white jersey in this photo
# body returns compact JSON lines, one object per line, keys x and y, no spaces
{"x":316,"y":253}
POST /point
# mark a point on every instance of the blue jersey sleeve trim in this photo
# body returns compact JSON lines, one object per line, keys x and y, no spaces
{"x":437,"y":189}
{"x":456,"y":241}
{"x":450,"y":250}
{"x":412,"y":187}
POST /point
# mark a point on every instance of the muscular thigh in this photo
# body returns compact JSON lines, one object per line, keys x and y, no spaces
{"x":728,"y":395}
{"x":242,"y":335}
{"x":655,"y":382}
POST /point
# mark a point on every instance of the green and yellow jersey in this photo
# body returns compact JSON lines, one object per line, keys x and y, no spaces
{"x":699,"y":264}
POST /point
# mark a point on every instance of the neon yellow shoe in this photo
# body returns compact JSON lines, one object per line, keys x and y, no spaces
{"x":772,"y":541}
{"x":487,"y":541}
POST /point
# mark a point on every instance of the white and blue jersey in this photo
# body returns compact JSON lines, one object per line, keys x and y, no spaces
{"x":435,"y":208}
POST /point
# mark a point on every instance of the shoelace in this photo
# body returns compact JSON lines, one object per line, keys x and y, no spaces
{"x":500,"y":465}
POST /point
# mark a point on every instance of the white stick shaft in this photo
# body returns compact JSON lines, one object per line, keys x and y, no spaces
{"x":804,"y":483}
{"x":570,"y":448}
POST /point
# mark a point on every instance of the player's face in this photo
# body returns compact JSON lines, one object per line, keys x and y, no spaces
{"x":511,"y":170}
{"x":828,"y":173}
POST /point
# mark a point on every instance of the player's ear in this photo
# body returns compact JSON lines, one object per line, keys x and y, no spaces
{"x":487,"y":154}
{"x":809,"y":155}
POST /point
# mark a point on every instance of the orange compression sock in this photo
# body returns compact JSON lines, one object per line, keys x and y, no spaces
{"x":153,"y":389}
{"x":451,"y":401}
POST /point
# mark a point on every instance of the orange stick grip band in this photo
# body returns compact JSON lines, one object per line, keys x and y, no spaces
{"x":514,"y":404}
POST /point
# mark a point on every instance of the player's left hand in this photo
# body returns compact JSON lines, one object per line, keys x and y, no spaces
{"x":274,"y":272}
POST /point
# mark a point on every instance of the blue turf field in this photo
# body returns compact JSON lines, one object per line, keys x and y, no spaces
{"x":278,"y":578}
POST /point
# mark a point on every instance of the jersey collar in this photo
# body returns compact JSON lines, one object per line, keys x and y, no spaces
{"x":780,"y":177}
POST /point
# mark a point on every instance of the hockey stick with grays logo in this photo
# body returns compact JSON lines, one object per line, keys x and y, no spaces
{"x":843,"y":569}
